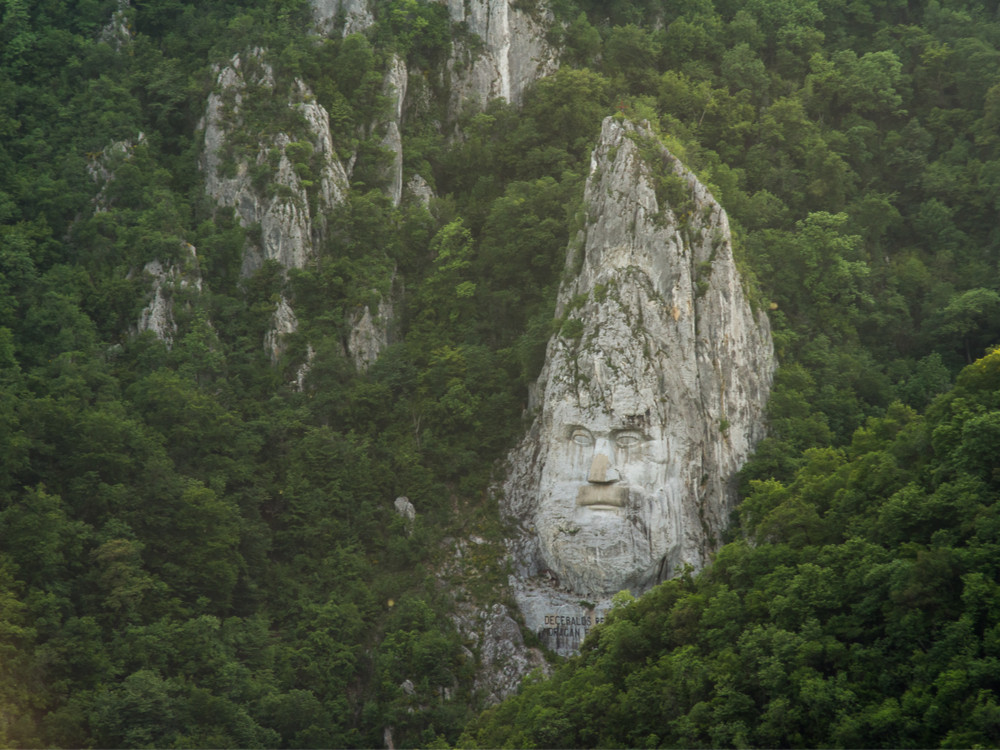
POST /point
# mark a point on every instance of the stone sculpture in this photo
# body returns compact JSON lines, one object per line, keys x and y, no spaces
{"x":651,"y":398}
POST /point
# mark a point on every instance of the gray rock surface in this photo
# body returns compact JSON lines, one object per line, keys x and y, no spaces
{"x":355,"y":15}
{"x":393,"y":141}
{"x":651,"y":397}
{"x":369,"y":333}
{"x":405,"y":508}
{"x":302,"y":372}
{"x":490,"y":629}
{"x":503,"y":656}
{"x":165,"y":283}
{"x":118,"y":30}
{"x":513,"y":55}
{"x":284,"y":213}
{"x":419,"y":188}
{"x":283,"y":323}
{"x":289,"y":211}
{"x":394,"y":88}
{"x":101,"y":166}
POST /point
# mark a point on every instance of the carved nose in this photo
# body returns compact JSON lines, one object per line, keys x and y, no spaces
{"x":601,"y":471}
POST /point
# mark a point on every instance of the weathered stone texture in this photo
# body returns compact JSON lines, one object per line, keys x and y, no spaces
{"x":288,"y":226}
{"x":514,"y":52}
{"x":165,"y":282}
{"x":355,"y":15}
{"x":650,"y":400}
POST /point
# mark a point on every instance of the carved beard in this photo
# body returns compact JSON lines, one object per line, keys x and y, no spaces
{"x":602,"y":545}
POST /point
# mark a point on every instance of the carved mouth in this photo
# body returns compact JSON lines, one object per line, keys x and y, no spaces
{"x":602,"y":495}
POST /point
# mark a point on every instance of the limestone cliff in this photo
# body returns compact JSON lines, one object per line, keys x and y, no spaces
{"x":369,"y":332}
{"x":651,"y":397}
{"x":283,"y":323}
{"x":511,"y":54}
{"x":102,"y":166}
{"x":118,"y":31}
{"x":283,"y":193}
{"x":509,"y":50}
{"x":394,"y":89}
{"x":284,"y":183}
{"x":343,"y":16}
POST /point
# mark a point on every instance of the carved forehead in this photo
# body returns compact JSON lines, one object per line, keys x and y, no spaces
{"x":606,"y":380}
{"x":631,"y":409}
{"x":617,"y":364}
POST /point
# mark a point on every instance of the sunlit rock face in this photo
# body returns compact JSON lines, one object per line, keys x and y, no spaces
{"x":651,"y":398}
{"x":290,"y":224}
{"x":512,"y":53}
{"x":369,"y":333}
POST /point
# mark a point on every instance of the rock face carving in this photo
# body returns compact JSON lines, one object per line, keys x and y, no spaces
{"x":513,"y":55}
{"x":290,"y":223}
{"x":651,"y":397}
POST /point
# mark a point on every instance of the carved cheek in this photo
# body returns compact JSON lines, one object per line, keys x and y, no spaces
{"x":630,"y":460}
{"x":640,"y":466}
{"x":579,"y":460}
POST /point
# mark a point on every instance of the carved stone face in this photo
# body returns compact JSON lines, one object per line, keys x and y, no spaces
{"x":650,"y":399}
{"x":604,"y":516}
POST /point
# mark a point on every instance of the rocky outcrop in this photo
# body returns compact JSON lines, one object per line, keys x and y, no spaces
{"x":504,"y":658}
{"x":419,"y":188}
{"x":283,"y":324}
{"x":405,"y":508}
{"x":369,"y":333}
{"x":165,"y":283}
{"x":344,"y":16}
{"x":490,"y":630}
{"x":651,"y":397}
{"x":511,"y":51}
{"x":279,"y":184}
{"x":394,"y":88}
{"x":102,"y":165}
{"x":118,"y":31}
{"x":512,"y":55}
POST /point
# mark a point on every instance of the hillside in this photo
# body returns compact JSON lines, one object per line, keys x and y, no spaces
{"x":278,"y":279}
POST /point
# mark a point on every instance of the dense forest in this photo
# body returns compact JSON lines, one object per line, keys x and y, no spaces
{"x":195,"y":552}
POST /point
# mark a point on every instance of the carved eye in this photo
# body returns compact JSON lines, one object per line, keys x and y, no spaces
{"x":582,"y":437}
{"x":627,"y":439}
